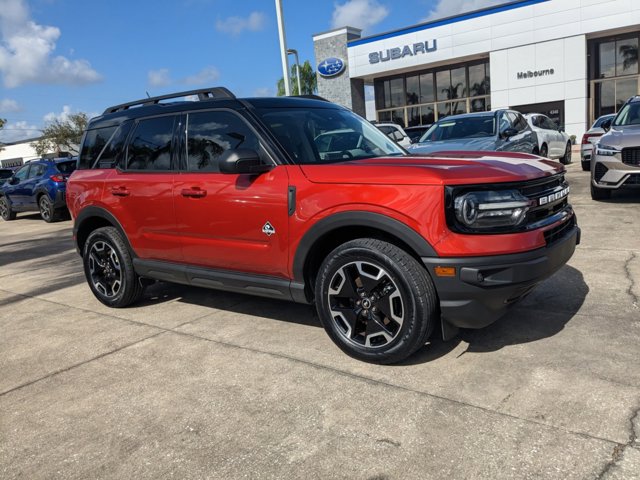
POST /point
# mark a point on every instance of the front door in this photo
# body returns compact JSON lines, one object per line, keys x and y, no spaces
{"x":15,"y":190}
{"x":229,"y":222}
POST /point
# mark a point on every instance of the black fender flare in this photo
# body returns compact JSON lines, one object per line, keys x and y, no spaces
{"x":358,"y":219}
{"x":87,"y":213}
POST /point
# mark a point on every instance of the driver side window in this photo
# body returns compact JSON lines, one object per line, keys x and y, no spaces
{"x":22,"y":173}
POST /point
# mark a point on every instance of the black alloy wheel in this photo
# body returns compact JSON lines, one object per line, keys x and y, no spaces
{"x":566,"y":160}
{"x":108,"y":268}
{"x":376,"y":302}
{"x":544,"y":151}
{"x":5,"y":210}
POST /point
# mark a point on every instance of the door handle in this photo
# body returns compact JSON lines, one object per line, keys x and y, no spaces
{"x":120,"y":191}
{"x":194,"y":192}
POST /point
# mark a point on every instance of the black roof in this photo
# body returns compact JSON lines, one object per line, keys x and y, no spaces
{"x":218,"y":97}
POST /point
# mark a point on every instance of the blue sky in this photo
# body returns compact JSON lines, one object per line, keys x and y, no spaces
{"x":65,"y":56}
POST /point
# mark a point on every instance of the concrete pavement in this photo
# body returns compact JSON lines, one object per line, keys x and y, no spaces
{"x":193,"y":383}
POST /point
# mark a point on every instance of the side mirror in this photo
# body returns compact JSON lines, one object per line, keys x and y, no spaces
{"x":397,"y":136}
{"x":606,"y":125}
{"x":561,"y":128}
{"x":509,"y":132}
{"x":13,"y":180}
{"x":242,"y":160}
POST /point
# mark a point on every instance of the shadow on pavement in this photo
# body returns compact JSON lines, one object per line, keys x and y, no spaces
{"x":542,"y":314}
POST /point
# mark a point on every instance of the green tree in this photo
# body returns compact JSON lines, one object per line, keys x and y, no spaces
{"x":62,"y":135}
{"x":308,"y":80}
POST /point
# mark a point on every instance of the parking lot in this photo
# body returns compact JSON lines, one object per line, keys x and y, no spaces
{"x":194,"y":383}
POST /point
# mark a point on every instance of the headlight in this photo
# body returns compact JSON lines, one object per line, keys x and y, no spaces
{"x":606,"y":151}
{"x":488,"y":210}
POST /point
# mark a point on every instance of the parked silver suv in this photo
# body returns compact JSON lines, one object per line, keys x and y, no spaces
{"x":616,"y":161}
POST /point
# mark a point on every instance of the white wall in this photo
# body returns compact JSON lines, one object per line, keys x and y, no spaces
{"x":568,"y":59}
{"x":19,"y":150}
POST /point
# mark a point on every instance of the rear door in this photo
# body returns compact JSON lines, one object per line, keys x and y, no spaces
{"x":556,"y":139}
{"x":29,"y":186}
{"x":230,"y":221}
{"x":140,"y":191}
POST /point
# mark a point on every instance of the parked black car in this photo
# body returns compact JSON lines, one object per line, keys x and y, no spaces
{"x":38,"y":186}
{"x":500,"y":130}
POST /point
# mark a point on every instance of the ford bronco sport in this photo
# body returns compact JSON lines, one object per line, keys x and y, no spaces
{"x":301,"y":199}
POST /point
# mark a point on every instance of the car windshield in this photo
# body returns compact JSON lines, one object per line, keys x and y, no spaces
{"x":66,"y":167}
{"x":598,"y":123}
{"x":460,"y":128}
{"x":629,"y":115}
{"x":327,"y":135}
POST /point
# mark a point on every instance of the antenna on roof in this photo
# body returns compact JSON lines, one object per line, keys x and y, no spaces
{"x":148,"y":96}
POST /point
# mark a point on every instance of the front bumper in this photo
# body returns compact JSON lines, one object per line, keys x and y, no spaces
{"x":485,"y":287}
{"x":611,"y":173}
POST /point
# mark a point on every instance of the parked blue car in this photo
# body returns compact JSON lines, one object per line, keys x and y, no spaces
{"x":38,"y":186}
{"x":500,"y":130}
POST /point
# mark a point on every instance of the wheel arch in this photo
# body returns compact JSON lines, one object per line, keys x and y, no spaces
{"x":92,"y":218}
{"x":339,"y":228}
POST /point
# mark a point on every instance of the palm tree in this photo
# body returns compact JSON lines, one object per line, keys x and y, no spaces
{"x":629,"y":55}
{"x":308,"y":80}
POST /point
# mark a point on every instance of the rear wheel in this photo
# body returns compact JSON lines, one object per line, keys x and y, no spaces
{"x":376,"y":302}
{"x":600,"y":193}
{"x":108,"y":268}
{"x":47,"y":212}
{"x":566,"y":159}
{"x":544,"y":151}
{"x":5,"y":210}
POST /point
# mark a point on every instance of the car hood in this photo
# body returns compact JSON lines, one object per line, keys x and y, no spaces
{"x":475,"y":144}
{"x":622,"y":137}
{"x":448,"y":168}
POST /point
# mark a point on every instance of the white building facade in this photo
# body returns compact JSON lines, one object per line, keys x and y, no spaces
{"x":573,"y":60}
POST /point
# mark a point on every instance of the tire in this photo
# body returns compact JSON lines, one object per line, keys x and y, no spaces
{"x":600,"y":193}
{"x":401,"y":306}
{"x":566,"y":159}
{"x":535,"y":151}
{"x":47,"y":212}
{"x":544,"y":151}
{"x":108,"y":268}
{"x":5,"y":210}
{"x":586,"y":165}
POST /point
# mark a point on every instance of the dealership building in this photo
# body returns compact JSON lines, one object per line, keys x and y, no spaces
{"x":573,"y":60}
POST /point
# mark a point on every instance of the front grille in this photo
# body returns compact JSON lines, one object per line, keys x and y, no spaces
{"x":555,"y":233}
{"x":633,"y":179}
{"x":599,"y":172}
{"x":631,"y":156}
{"x":548,"y":198}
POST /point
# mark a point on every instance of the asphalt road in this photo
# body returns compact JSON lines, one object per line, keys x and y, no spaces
{"x":199,"y":384}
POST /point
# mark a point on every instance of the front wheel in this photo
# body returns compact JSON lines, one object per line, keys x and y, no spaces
{"x":5,"y":210}
{"x":544,"y":151}
{"x":108,"y":268}
{"x":376,"y":302}
{"x":566,"y":159}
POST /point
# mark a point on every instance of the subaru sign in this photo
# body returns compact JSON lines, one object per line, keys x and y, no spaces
{"x":331,"y":67}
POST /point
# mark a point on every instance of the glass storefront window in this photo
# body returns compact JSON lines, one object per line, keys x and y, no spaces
{"x":413,"y":90}
{"x":397,"y":92}
{"x":625,"y":89}
{"x":478,"y":82}
{"x":478,"y":105}
{"x":458,"y":83}
{"x":426,"y":88}
{"x":458,"y":107}
{"x":413,"y":116}
{"x":444,"y":110}
{"x":443,"y":85}
{"x":607,"y":67}
{"x":427,"y":115}
{"x":627,"y":57}
{"x":605,"y":98}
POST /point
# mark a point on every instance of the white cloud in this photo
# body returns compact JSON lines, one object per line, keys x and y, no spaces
{"x":236,"y":25}
{"x":264,"y":92}
{"x":14,"y":132}
{"x":447,"y":8}
{"x":206,"y":75}
{"x":8,"y":105}
{"x":26,"y":51}
{"x":63,"y":116}
{"x":162,"y":77}
{"x":159,"y":78}
{"x":362,"y":14}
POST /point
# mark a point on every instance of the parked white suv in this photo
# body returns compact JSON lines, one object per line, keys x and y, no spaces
{"x":395,"y":132}
{"x":616,"y":160}
{"x":591,"y":137}
{"x":552,"y":141}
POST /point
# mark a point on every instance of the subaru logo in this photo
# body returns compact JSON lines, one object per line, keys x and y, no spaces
{"x":331,"y":67}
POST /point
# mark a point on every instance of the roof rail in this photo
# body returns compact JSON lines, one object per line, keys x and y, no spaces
{"x":203,"y":94}
{"x":312,"y":97}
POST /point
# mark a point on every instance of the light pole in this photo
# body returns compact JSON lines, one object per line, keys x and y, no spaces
{"x":283,"y":48}
{"x":294,"y":52}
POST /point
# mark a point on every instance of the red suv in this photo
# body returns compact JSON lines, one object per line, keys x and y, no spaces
{"x":301,"y":199}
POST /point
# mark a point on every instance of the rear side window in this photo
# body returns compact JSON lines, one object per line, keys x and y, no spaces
{"x":37,"y":170}
{"x":209,"y":134}
{"x":94,"y":142}
{"x":150,"y":145}
{"x":66,"y":167}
